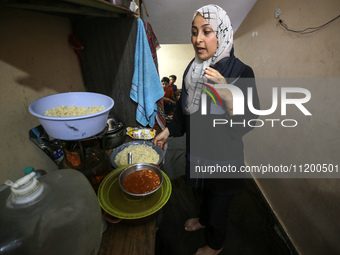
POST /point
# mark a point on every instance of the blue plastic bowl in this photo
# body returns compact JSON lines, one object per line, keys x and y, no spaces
{"x":72,"y":128}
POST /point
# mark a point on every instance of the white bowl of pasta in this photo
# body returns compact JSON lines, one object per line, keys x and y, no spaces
{"x":72,"y":115}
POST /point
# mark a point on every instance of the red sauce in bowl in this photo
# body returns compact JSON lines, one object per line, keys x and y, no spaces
{"x":141,"y":182}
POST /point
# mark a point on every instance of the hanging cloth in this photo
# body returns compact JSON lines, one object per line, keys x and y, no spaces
{"x":146,"y":87}
{"x":154,"y":46}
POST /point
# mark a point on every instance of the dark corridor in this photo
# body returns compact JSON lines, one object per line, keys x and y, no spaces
{"x":252,"y":227}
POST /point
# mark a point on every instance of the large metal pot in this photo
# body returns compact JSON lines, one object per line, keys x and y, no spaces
{"x":114,"y":136}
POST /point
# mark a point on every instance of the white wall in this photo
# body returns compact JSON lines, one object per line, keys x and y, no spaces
{"x":173,"y":59}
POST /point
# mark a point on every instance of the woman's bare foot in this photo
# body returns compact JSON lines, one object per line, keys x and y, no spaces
{"x":193,"y":225}
{"x":206,"y":250}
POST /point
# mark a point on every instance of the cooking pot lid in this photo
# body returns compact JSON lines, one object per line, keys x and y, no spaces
{"x":116,"y":203}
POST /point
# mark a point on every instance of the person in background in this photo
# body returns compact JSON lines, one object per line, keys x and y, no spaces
{"x":173,"y":79}
{"x":178,"y":94}
{"x":208,"y":145}
{"x":169,"y":98}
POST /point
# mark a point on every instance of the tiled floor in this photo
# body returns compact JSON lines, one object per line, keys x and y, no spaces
{"x":252,"y":229}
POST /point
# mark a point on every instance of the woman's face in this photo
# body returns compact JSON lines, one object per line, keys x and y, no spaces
{"x":203,"y":38}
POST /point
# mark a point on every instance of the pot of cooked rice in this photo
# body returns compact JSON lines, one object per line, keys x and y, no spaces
{"x":72,"y":115}
{"x":142,"y":152}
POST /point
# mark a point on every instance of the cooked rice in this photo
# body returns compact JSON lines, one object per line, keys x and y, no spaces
{"x":72,"y":111}
{"x":141,"y":153}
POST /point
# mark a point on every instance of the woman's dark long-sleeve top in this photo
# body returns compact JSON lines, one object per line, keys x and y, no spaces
{"x":224,"y":141}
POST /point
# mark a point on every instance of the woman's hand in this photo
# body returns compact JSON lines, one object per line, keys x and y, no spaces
{"x":161,"y":138}
{"x":225,"y":94}
{"x":214,"y":76}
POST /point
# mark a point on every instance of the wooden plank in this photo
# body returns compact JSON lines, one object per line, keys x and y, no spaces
{"x":101,"y":4}
{"x":97,"y":8}
{"x":123,"y":238}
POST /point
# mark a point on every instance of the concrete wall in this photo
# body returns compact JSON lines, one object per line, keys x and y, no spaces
{"x":35,"y":61}
{"x":308,"y":208}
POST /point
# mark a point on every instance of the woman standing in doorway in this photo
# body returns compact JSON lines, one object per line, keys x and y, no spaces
{"x":208,"y":144}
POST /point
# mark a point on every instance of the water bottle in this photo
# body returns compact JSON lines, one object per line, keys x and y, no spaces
{"x":57,"y":213}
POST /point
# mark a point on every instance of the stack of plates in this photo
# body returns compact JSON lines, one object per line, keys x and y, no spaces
{"x":118,"y":204}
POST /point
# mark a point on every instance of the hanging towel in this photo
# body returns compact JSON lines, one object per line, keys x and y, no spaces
{"x":154,"y":46}
{"x":146,"y":87}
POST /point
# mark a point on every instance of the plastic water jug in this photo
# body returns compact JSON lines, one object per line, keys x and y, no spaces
{"x":57,"y":213}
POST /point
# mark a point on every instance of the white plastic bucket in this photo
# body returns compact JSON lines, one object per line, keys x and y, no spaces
{"x":72,"y":128}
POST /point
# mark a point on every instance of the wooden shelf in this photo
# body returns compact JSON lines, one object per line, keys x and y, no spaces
{"x":121,"y":238}
{"x":97,"y":8}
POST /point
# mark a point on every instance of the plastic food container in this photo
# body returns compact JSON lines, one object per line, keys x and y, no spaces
{"x":72,"y":128}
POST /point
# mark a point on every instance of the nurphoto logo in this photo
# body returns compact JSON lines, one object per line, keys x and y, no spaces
{"x":239,"y":103}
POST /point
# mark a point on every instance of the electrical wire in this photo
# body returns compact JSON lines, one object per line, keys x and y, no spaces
{"x":306,"y":30}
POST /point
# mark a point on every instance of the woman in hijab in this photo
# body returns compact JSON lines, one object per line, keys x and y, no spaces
{"x":210,"y":144}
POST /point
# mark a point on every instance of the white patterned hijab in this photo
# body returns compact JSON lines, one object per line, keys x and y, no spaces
{"x":219,"y":21}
